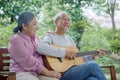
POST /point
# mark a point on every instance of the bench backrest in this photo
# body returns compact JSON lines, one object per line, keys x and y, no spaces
{"x":4,"y":59}
{"x":4,"y":62}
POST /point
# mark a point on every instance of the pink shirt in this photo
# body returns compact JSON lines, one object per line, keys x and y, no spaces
{"x":24,"y":57}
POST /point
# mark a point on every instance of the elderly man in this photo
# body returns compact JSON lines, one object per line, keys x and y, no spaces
{"x":85,"y":71}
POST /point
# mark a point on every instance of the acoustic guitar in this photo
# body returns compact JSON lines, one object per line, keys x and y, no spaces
{"x":63,"y":64}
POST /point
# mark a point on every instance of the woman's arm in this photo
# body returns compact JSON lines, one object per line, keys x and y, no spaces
{"x":22,"y":56}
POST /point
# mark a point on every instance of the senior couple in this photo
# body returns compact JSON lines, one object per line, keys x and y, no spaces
{"x":26,"y":51}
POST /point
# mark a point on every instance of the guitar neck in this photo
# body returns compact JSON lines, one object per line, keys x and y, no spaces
{"x":80,"y":54}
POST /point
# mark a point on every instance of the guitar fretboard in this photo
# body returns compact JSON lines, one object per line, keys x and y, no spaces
{"x":90,"y":53}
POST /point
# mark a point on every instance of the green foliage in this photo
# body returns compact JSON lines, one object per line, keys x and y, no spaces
{"x":93,"y":38}
{"x":115,"y":42}
{"x":42,"y":30}
{"x":5,"y":33}
{"x":12,"y":8}
{"x":106,"y":8}
{"x":101,"y":6}
{"x":77,"y":29}
{"x":73,"y":7}
{"x":109,"y":60}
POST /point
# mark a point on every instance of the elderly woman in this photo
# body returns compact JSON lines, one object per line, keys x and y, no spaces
{"x":85,"y":71}
{"x":25,"y":60}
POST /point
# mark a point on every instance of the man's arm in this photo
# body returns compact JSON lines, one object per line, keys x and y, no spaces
{"x":85,"y":58}
{"x":45,"y":48}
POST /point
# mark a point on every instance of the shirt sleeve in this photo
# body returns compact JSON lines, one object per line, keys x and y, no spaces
{"x":87,"y":58}
{"x":22,"y":56}
{"x":45,"y":48}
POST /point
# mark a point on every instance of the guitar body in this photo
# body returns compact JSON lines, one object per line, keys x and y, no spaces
{"x":62,"y":65}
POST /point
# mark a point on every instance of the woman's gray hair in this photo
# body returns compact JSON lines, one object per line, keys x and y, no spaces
{"x":59,"y":14}
{"x":25,"y":18}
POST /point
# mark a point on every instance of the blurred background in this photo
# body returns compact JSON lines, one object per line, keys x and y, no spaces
{"x":95,"y":23}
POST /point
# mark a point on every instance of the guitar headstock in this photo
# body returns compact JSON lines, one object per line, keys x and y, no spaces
{"x":102,"y":52}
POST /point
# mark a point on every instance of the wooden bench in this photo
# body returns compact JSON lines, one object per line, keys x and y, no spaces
{"x":4,"y":67}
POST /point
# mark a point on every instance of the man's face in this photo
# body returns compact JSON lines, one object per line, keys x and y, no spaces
{"x":63,"y":23}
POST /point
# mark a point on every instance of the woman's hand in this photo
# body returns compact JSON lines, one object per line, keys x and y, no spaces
{"x":53,"y":74}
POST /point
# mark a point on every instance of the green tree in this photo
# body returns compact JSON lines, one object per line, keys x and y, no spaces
{"x":111,"y":5}
{"x":12,"y":8}
{"x":47,"y":9}
{"x":106,"y":7}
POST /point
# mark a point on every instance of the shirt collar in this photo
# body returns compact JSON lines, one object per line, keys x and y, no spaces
{"x":26,"y":37}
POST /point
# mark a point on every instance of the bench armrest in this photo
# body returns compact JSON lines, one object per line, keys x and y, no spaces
{"x":11,"y":75}
{"x":112,"y":71}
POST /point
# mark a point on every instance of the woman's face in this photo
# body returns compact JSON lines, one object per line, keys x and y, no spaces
{"x":31,"y":28}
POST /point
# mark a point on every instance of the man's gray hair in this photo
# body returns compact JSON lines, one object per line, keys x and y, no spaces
{"x":59,"y":14}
